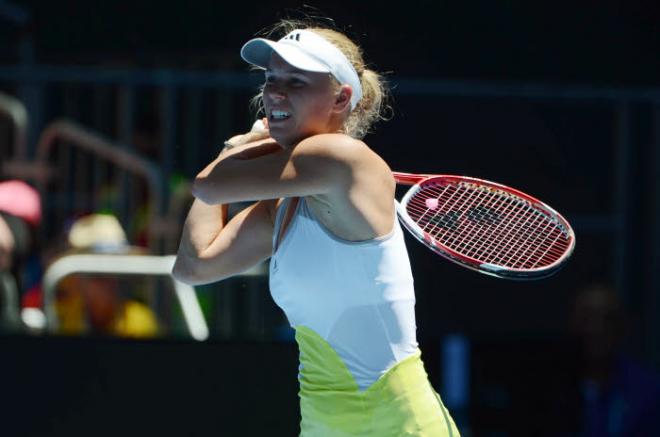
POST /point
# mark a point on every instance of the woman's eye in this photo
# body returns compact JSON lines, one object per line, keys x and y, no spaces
{"x":292,"y":82}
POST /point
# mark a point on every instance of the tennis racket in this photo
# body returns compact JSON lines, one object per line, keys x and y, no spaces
{"x":485,"y":226}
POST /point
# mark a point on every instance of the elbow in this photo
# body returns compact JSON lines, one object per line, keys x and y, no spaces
{"x":195,"y":271}
{"x":200,"y":190}
{"x":210,"y":192}
{"x":183,"y":271}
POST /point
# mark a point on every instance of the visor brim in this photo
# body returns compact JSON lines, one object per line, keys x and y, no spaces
{"x":258,"y":52}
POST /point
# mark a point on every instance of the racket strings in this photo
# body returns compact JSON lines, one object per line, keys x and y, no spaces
{"x":488,"y":225}
{"x":484,"y":243}
{"x":536,"y":245}
{"x":504,"y":240}
{"x":496,"y":239}
{"x":516,"y":236}
{"x":472,"y":239}
{"x":470,"y":234}
{"x":530,"y":240}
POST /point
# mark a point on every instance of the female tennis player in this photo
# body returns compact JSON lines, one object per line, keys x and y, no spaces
{"x":324,"y":213}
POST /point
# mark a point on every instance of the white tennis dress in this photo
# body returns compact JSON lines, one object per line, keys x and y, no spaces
{"x":357,"y":296}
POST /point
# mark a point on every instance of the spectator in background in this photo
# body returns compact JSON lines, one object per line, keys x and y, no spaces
{"x":20,"y":215}
{"x":11,"y":229}
{"x":97,"y":304}
{"x":619,"y":396}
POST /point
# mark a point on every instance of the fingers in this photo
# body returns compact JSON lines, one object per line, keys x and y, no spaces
{"x":258,"y":126}
{"x":259,"y":131}
{"x":233,"y":141}
{"x":251,"y":137}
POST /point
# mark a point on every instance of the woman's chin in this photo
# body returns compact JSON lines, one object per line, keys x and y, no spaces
{"x":281,"y":138}
{"x":284,"y":137}
{"x":287,"y":137}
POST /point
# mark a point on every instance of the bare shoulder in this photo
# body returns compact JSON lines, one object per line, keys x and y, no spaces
{"x":363,"y":208}
{"x":342,"y":148}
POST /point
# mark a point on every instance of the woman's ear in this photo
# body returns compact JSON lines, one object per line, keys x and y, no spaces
{"x":343,"y":99}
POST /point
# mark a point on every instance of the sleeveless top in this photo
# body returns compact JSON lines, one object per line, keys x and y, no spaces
{"x":357,"y":297}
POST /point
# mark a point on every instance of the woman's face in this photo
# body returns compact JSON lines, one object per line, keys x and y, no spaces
{"x":298,"y":103}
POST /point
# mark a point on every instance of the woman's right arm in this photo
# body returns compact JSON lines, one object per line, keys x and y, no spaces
{"x":212,"y":249}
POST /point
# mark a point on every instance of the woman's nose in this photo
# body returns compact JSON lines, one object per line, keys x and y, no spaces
{"x":275,"y":93}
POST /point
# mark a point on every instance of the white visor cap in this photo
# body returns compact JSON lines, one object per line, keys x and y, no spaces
{"x":307,"y":51}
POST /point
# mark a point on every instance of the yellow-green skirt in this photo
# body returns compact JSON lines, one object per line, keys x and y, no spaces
{"x":401,"y":403}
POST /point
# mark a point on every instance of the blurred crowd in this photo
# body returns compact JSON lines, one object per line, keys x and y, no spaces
{"x":85,"y":304}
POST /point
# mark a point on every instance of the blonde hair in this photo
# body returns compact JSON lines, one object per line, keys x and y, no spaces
{"x":373,"y":105}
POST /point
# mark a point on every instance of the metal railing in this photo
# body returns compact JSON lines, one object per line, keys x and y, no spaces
{"x":123,"y":265}
{"x":14,"y":110}
{"x":62,"y":134}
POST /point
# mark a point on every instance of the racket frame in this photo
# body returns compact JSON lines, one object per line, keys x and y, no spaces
{"x":419,"y":181}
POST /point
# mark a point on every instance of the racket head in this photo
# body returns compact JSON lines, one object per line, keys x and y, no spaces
{"x":488,"y":227}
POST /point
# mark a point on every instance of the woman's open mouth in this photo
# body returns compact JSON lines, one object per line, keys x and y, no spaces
{"x":277,"y":115}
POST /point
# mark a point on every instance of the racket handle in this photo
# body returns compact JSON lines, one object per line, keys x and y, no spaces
{"x":407,"y":178}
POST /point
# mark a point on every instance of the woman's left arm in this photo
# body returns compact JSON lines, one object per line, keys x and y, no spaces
{"x":317,"y":165}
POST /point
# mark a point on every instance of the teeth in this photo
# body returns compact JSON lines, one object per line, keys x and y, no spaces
{"x":279,"y":114}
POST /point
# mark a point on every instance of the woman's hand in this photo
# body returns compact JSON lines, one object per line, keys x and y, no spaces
{"x":253,"y":144}
{"x":258,"y":132}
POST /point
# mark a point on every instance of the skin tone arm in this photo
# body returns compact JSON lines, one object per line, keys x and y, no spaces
{"x":231,"y":248}
{"x":325,"y":165}
{"x":331,"y":170}
{"x":349,"y":186}
{"x":317,"y":165}
{"x":206,"y":234}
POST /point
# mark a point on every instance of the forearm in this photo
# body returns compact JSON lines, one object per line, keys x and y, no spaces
{"x":250,"y":150}
{"x":203,"y":224}
{"x":214,"y":183}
